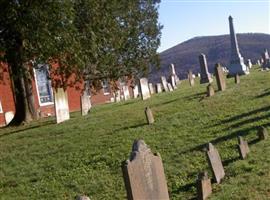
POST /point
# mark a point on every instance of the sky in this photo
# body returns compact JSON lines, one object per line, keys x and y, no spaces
{"x":185,"y":19}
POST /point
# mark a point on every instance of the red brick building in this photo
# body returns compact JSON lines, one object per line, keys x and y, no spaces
{"x":43,"y":94}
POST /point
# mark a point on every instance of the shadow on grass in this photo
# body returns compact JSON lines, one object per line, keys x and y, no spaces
{"x":229,"y":161}
{"x":266,"y":93}
{"x":47,"y":123}
{"x":130,"y":127}
{"x":199,"y":96}
{"x":164,"y":103}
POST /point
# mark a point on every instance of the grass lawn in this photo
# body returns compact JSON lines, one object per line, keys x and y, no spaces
{"x":84,"y":155}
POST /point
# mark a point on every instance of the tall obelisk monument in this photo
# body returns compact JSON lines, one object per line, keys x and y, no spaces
{"x":237,"y":65}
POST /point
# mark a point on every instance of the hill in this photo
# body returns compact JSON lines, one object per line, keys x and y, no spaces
{"x":44,"y":160}
{"x":216,"y":48}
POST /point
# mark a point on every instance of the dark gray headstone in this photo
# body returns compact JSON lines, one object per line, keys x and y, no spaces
{"x":204,"y":188}
{"x":242,"y":147}
{"x":205,"y":75}
{"x":149,"y":115}
{"x":220,"y":78}
{"x":215,"y":163}
{"x":144,"y":174}
{"x":210,"y":90}
{"x":262,"y":133}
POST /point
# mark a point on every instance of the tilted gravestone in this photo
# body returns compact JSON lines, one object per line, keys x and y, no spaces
{"x":164,"y":83}
{"x":262,"y":133}
{"x":205,"y":75}
{"x":149,"y":115}
{"x":85,"y":103}
{"x":126,"y":92}
{"x":237,"y":79}
{"x":170,"y":87}
{"x":215,"y":163}
{"x":173,"y":81}
{"x":144,"y":174}
{"x":145,"y":93}
{"x":220,"y":78}
{"x":158,"y":87}
{"x":210,"y":90}
{"x":151,"y":88}
{"x":61,"y":105}
{"x":9,"y":117}
{"x":242,"y":147}
{"x":204,"y":188}
{"x":190,"y":78}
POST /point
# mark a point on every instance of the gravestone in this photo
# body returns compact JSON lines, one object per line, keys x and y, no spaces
{"x":215,"y":163}
{"x":117,"y":96}
{"x":149,"y":115}
{"x":135,"y":91}
{"x":265,"y":59}
{"x":158,"y":87}
{"x":170,"y":87}
{"x":210,"y":90}
{"x":126,"y":92}
{"x":249,"y":63}
{"x":262,"y":133}
{"x":220,"y":78}
{"x":164,"y":83}
{"x":172,"y":69}
{"x":177,"y":80}
{"x":9,"y":117}
{"x":173,"y":81}
{"x":237,"y":65}
{"x":237,"y":79}
{"x":190,"y":78}
{"x":82,"y":197}
{"x":242,"y":147}
{"x":151,"y":88}
{"x":61,"y":105}
{"x":1,"y":109}
{"x":85,"y":103}
{"x":145,"y":93}
{"x":259,"y":62}
{"x":112,"y":99}
{"x":205,"y":75}
{"x":144,"y":174}
{"x":204,"y":188}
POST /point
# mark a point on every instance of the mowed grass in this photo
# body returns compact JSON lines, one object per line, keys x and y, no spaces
{"x":84,"y":155}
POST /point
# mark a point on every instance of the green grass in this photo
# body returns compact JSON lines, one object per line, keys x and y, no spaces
{"x":84,"y":155}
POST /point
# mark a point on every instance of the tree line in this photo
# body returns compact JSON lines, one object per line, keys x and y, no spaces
{"x":91,"y":39}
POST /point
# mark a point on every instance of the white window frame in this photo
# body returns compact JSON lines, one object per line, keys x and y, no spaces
{"x":105,"y":93}
{"x":40,"y":103}
{"x":1,"y":108}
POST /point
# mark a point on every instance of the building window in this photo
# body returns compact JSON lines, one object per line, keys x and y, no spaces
{"x":106,"y":87}
{"x":43,"y":83}
{"x":1,"y":109}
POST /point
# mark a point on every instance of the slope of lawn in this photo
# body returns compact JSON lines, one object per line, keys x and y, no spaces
{"x":84,"y":155}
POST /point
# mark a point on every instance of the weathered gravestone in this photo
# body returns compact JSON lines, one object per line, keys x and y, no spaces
{"x":172,"y":69}
{"x":210,"y":90}
{"x":220,"y":78}
{"x":173,"y":81}
{"x":242,"y":147}
{"x":164,"y":83}
{"x":204,"y":188}
{"x":117,"y":96}
{"x":249,"y":63}
{"x":237,"y":79}
{"x":145,"y":93}
{"x":158,"y":87}
{"x":170,"y":87}
{"x":265,"y":59}
{"x":85,"y":103}
{"x":61,"y":105}
{"x":205,"y":75}
{"x":9,"y":116}
{"x":151,"y":88}
{"x":215,"y":163}
{"x":262,"y":133}
{"x":190,"y":78}
{"x":149,"y":115}
{"x":135,"y":91}
{"x":144,"y":174}
{"x":126,"y":92}
{"x":82,"y":197}
{"x":173,"y":76}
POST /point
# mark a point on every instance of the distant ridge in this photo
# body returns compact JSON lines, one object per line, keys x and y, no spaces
{"x":216,"y":48}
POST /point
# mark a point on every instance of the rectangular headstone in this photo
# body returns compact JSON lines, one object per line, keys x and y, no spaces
{"x":170,"y":87}
{"x":144,"y":174}
{"x":242,"y":147}
{"x":220,"y":78}
{"x":149,"y":115}
{"x":85,"y":103}
{"x":126,"y":92}
{"x":262,"y":133}
{"x":173,"y":81}
{"x":204,"y":188}
{"x":151,"y":88}
{"x":117,"y":96}
{"x":144,"y":88}
{"x":215,"y":163}
{"x":135,"y":91}
{"x":210,"y":90}
{"x":190,"y":78}
{"x":172,"y":69}
{"x":61,"y":105}
{"x":158,"y":87}
{"x":164,"y":83}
